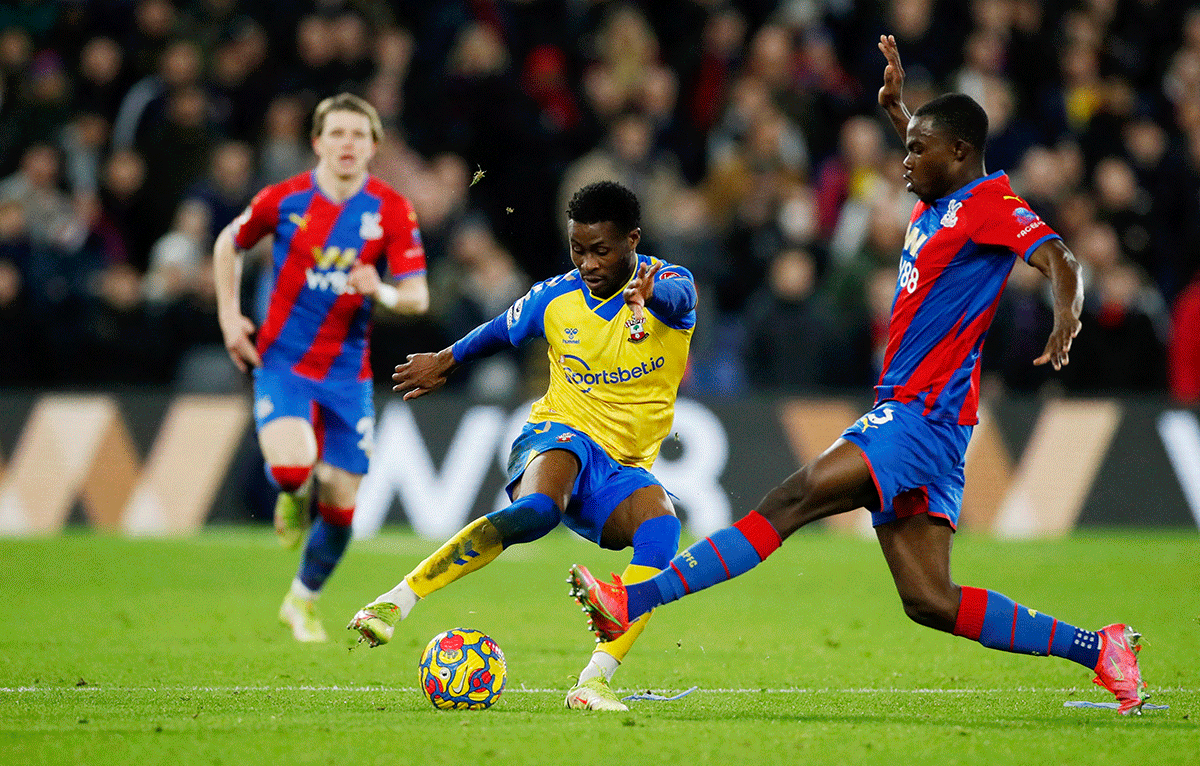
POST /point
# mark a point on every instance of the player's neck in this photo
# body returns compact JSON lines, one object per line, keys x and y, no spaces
{"x":971,"y":174}
{"x":336,"y":188}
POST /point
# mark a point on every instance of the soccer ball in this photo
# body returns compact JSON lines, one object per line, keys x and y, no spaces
{"x":462,"y":669}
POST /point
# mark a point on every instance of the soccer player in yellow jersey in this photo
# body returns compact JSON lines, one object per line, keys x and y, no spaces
{"x":618,"y":328}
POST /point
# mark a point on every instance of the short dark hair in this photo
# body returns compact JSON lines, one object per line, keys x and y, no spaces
{"x":960,"y":116}
{"x":606,"y":201}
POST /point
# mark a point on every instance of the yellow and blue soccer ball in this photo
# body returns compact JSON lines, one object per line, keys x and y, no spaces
{"x":462,"y":669}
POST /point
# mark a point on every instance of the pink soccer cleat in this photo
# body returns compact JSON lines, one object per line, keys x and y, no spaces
{"x":606,"y":604}
{"x":1118,"y":669}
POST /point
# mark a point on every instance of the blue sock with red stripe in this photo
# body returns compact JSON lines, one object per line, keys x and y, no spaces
{"x":998,"y":622}
{"x":723,"y":556}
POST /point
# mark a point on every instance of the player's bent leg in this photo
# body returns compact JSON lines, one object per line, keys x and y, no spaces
{"x":839,"y":480}
{"x":917,"y":549}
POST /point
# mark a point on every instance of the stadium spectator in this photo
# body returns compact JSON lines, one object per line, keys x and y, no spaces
{"x":1184,"y":349}
{"x":102,"y":80}
{"x":794,"y":340}
{"x":283,"y":152}
{"x":1119,"y":348}
{"x":480,"y":281}
{"x":123,"y":200}
{"x":145,"y":105}
{"x":228,"y":186}
{"x":523,"y":91}
{"x":177,"y":152}
{"x":630,"y":156}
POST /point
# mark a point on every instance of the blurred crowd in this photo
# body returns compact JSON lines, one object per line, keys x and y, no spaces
{"x":132,"y":131}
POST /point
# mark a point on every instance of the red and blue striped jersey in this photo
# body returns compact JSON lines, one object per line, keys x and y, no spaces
{"x":957,"y":256}
{"x":315,"y":324}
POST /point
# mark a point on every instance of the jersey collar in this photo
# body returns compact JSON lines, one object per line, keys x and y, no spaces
{"x":607,"y":308}
{"x":965,"y":191}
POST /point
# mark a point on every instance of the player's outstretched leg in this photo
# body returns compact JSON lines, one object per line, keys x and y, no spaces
{"x":473,"y":547}
{"x":732,"y":551}
{"x":292,"y":516}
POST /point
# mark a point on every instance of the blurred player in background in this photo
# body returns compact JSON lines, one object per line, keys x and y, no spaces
{"x":333,"y":228}
{"x":904,"y":459}
{"x":618,"y":327}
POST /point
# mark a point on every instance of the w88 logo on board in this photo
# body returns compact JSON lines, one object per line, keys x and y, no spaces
{"x":909,"y":275}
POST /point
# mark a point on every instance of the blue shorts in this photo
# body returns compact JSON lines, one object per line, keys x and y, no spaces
{"x":600,"y":486}
{"x":917,"y":463}
{"x":342,"y":413}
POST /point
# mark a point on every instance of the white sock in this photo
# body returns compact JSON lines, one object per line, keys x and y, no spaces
{"x":602,"y":663}
{"x":402,"y":596}
{"x":300,"y":590}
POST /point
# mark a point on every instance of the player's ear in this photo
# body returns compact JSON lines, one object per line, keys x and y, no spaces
{"x":961,"y":149}
{"x":635,"y":236}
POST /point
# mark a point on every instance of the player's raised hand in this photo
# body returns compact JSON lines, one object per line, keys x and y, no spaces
{"x":237,"y":331}
{"x":423,"y":373}
{"x":641,"y":287}
{"x":891,"y":94}
{"x":1058,"y":346}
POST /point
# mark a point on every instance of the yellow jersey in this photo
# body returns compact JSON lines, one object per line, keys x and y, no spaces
{"x":611,"y":377}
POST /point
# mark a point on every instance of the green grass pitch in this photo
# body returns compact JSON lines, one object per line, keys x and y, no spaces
{"x":126,"y":651}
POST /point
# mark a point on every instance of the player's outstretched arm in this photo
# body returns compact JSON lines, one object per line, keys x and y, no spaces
{"x":235,"y":327}
{"x":891,"y":95}
{"x":1053,"y":259}
{"x":424,"y":373}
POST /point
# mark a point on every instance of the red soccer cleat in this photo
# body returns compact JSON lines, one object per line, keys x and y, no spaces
{"x":1118,"y":669}
{"x":606,"y":604}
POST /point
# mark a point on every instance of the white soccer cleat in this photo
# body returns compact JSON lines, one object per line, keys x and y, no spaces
{"x":594,"y":694}
{"x":300,"y":614}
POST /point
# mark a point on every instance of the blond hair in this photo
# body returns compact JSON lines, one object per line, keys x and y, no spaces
{"x":346,"y":102}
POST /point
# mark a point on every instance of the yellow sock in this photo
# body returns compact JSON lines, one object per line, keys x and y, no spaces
{"x":619,"y":648}
{"x":475,"y":546}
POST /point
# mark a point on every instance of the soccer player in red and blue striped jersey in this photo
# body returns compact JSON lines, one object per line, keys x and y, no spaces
{"x":333,"y":229}
{"x":904,"y":460}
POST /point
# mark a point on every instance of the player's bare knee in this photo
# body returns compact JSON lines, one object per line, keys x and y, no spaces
{"x":788,"y":506}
